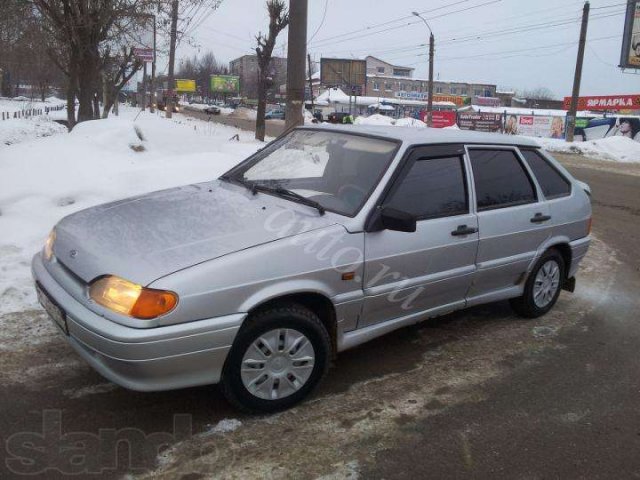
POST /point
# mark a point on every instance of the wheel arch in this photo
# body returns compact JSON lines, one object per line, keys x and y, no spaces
{"x":317,"y":302}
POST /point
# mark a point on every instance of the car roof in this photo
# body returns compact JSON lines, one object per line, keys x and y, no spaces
{"x":422,"y":136}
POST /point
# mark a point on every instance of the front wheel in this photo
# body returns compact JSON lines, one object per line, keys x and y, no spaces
{"x":279,"y":356}
{"x":543,"y":286}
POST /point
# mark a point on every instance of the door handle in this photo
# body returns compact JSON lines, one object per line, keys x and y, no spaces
{"x":463,"y":230}
{"x":539,"y":218}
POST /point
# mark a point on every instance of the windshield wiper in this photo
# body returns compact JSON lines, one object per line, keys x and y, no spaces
{"x":288,"y":194}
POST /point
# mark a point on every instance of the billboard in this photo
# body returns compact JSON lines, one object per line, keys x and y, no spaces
{"x":348,"y":74}
{"x":630,"y":57}
{"x":442,"y":119}
{"x":225,"y":83}
{"x":183,"y":85}
{"x":535,"y":126}
{"x":606,"y":102}
{"x":482,"y":122}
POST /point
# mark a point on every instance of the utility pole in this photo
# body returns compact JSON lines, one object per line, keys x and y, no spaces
{"x":432,"y":42}
{"x":573,"y":109}
{"x":296,"y":57}
{"x":310,"y":83}
{"x":144,"y":86}
{"x":172,"y":58}
{"x":152,"y":107}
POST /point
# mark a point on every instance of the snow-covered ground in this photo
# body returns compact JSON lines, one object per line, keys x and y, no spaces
{"x":16,"y":130}
{"x":617,"y":149}
{"x":45,"y":179}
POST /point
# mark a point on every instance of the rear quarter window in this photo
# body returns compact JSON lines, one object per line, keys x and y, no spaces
{"x":552,"y":182}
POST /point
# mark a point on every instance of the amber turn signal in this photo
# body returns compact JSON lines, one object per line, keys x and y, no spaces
{"x":131,"y":299}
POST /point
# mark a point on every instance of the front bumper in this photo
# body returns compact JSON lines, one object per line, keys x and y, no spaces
{"x":144,"y":359}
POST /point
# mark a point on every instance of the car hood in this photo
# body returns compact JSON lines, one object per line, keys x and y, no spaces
{"x":144,"y":238}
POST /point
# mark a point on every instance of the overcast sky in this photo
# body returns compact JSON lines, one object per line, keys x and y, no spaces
{"x":517,"y":44}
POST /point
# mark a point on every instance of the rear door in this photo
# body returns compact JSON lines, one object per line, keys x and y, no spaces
{"x":429,"y":269}
{"x":513,"y":220}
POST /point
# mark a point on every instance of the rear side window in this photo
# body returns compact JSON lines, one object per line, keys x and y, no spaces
{"x":500,"y":179}
{"x":553,"y":184}
{"x":434,"y":187}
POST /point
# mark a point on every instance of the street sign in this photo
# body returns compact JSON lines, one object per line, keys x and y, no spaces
{"x":143,"y":54}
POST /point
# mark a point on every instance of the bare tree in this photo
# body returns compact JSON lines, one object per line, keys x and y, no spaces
{"x":79,"y":29}
{"x":540,"y":93}
{"x":278,"y":21}
{"x":116,"y":70}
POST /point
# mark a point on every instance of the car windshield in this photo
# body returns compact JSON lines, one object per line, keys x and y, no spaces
{"x":336,"y":170}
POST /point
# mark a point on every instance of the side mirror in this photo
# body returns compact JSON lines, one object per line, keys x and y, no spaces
{"x":397,"y":220}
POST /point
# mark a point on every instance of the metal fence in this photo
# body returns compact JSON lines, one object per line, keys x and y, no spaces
{"x":30,"y":112}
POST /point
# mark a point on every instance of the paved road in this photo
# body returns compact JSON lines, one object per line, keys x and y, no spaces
{"x":274,"y":127}
{"x":476,"y":394}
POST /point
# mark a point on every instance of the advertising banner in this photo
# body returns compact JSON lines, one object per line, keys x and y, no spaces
{"x":630,"y":57}
{"x":482,"y":122}
{"x":535,"y":126}
{"x":225,"y":83}
{"x":606,"y":102}
{"x":443,"y":119}
{"x":183,"y":85}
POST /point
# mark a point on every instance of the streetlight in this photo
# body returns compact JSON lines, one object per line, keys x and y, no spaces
{"x":431,"y":53}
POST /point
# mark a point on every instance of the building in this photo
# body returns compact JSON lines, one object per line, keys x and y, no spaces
{"x":246,"y":67}
{"x":386,"y":80}
{"x":375,"y":67}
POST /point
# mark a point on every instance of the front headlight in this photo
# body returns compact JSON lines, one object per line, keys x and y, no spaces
{"x":48,"y":245}
{"x":131,"y":299}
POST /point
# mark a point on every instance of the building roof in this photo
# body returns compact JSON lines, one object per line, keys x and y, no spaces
{"x":421,"y":136}
{"x":435,"y":80}
{"x":391,"y":64}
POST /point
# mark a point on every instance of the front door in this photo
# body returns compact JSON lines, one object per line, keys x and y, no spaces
{"x":429,"y":270}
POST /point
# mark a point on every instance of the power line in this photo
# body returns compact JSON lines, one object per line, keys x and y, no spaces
{"x":324,"y":17}
{"x":325,"y":42}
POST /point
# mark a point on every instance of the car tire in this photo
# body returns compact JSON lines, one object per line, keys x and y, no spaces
{"x":268,"y":368}
{"x":543,"y":286}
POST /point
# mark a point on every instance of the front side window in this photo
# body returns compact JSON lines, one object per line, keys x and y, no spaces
{"x":500,"y":179}
{"x":337,"y":170}
{"x":433,"y":188}
{"x":553,"y":184}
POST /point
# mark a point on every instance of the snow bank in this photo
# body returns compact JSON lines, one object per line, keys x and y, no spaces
{"x":17,"y":130}
{"x":375,"y":119}
{"x":410,"y":122}
{"x":45,"y":179}
{"x":617,"y":149}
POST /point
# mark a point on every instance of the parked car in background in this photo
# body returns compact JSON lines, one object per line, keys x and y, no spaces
{"x":275,"y":115}
{"x":337,"y":117}
{"x":325,"y":239}
{"x":212,"y":110}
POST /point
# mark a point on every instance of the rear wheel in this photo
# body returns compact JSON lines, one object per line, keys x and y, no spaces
{"x":277,"y":359}
{"x":543,"y":286}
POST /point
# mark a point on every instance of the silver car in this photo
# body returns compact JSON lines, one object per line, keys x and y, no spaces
{"x":325,"y":239}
